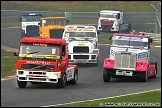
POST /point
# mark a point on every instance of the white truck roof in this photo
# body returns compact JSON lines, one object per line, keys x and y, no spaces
{"x":109,"y":11}
{"x":78,"y":27}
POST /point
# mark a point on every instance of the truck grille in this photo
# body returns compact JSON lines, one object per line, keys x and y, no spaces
{"x":37,"y":66}
{"x":56,"y":33}
{"x":125,"y":61}
{"x":32,"y":31}
{"x":81,"y":56}
{"x":84,"y":49}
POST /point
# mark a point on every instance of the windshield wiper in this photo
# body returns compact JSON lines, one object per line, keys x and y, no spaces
{"x":30,"y":53}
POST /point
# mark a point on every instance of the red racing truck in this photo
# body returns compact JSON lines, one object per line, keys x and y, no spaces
{"x":44,"y":60}
{"x":129,"y":57}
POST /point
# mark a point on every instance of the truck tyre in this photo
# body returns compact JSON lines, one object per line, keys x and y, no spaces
{"x":144,"y":76}
{"x":98,"y":61}
{"x":106,"y":76}
{"x":155,"y":72}
{"x":74,"y":81}
{"x":154,"y":63}
{"x":21,"y":84}
{"x":61,"y":82}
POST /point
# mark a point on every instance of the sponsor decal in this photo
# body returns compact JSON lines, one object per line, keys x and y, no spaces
{"x":38,"y":62}
{"x":142,"y":55}
{"x":112,"y":52}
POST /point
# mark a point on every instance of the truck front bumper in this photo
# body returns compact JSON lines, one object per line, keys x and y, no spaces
{"x":38,"y":76}
{"x":83,"y":58}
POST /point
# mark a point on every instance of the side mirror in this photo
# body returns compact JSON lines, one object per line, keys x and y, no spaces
{"x":20,"y":19}
{"x":15,"y":54}
{"x":151,"y":40}
{"x":99,"y":14}
{"x":67,"y":21}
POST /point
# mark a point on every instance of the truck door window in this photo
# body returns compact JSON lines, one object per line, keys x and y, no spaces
{"x":118,"y":16}
{"x":63,"y":50}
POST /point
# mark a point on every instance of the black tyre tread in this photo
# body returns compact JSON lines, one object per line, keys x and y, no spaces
{"x":74,"y":81}
{"x":106,"y":76}
{"x":21,"y":84}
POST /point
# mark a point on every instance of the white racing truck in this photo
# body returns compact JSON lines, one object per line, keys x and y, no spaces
{"x":130,"y":56}
{"x":82,"y":44}
{"x":112,"y":21}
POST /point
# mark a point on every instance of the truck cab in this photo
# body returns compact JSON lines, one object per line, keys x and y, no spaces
{"x":44,"y":60}
{"x":30,"y":24}
{"x":52,"y":27}
{"x":129,"y":57}
{"x":110,"y":20}
{"x":82,"y":44}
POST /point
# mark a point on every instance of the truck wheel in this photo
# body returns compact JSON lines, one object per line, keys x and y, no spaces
{"x":106,"y":76}
{"x":74,"y":81}
{"x":98,"y":61}
{"x":21,"y":84}
{"x":155,"y":72}
{"x":144,"y":76}
{"x":61,"y":82}
{"x":154,"y":63}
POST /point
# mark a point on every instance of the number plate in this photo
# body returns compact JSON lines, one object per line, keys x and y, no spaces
{"x":119,"y":73}
{"x":80,"y":61}
{"x":124,"y":73}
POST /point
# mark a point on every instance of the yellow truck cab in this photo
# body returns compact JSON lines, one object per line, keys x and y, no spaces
{"x":52,"y":27}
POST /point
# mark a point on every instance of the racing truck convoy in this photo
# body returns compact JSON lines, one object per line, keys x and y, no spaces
{"x":30,"y":24}
{"x":52,"y":27}
{"x":44,"y":60}
{"x":82,"y":44}
{"x":129,"y":57}
{"x":112,"y":21}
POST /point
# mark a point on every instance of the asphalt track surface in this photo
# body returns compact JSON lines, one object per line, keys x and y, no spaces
{"x":89,"y":86}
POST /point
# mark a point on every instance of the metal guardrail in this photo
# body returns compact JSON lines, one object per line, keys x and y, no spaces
{"x":154,"y":36}
{"x":137,"y":19}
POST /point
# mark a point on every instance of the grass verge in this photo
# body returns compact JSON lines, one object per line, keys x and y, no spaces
{"x":150,"y":99}
{"x":8,"y":64}
{"x":79,"y":6}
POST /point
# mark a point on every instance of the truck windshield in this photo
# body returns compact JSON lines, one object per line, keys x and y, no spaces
{"x":53,"y":22}
{"x":44,"y":49}
{"x":108,"y":16}
{"x":133,"y":42}
{"x":80,"y":34}
{"x":30,"y":18}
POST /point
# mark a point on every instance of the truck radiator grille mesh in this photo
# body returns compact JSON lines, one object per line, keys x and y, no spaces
{"x":125,"y":61}
{"x":37,"y":66}
{"x":81,"y":56}
{"x":81,"y":49}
